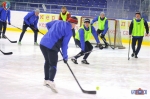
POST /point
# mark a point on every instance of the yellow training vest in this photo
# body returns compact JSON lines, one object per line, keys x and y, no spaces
{"x":138,"y":28}
{"x":101,"y":23}
{"x":87,"y":34}
{"x":64,"y":17}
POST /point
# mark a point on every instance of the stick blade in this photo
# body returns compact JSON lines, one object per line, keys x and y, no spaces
{"x":8,"y":53}
{"x":13,"y":41}
{"x":89,"y":92}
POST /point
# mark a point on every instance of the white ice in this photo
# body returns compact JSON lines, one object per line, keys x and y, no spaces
{"x":22,"y":75}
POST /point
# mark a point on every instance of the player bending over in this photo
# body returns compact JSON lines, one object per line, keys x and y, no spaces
{"x":58,"y":36}
{"x":82,"y":40}
{"x":102,"y":27}
{"x":30,"y":20}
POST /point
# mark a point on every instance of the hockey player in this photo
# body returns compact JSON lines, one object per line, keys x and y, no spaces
{"x":82,"y":40}
{"x":58,"y":36}
{"x":136,"y":29}
{"x":4,"y":16}
{"x":65,"y":15}
{"x":102,"y":27}
{"x":30,"y":20}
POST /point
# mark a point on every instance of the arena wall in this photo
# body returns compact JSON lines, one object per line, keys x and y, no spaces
{"x":17,"y":20}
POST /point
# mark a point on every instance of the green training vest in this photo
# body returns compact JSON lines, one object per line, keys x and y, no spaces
{"x":101,"y":23}
{"x":138,"y":28}
{"x":64,"y":17}
{"x":87,"y":34}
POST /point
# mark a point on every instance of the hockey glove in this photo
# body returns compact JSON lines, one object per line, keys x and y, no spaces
{"x":102,"y":35}
{"x":65,"y":61}
{"x":9,"y":23}
{"x":100,"y":46}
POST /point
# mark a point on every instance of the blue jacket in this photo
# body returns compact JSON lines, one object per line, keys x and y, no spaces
{"x":106,"y":24}
{"x":58,"y":36}
{"x":4,"y":15}
{"x":81,"y":34}
{"x":31,"y":19}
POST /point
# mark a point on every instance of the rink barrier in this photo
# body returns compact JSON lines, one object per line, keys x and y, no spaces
{"x":17,"y":20}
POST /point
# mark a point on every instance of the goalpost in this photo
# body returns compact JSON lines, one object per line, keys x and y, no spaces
{"x":113,"y":35}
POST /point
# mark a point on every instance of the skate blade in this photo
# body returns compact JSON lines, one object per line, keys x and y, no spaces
{"x":54,"y":90}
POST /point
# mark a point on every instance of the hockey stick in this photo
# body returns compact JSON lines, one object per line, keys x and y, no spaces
{"x":41,"y":32}
{"x":26,"y":30}
{"x":129,"y":49}
{"x":8,"y":53}
{"x":84,"y":91}
{"x":107,"y":43}
{"x":10,"y":40}
{"x":16,"y":27}
{"x":78,"y":55}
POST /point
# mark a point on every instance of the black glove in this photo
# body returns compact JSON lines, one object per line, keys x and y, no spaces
{"x":100,"y":46}
{"x":102,"y":35}
{"x":65,"y":61}
{"x":9,"y":23}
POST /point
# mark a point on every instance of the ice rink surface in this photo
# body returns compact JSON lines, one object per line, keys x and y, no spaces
{"x":22,"y":75}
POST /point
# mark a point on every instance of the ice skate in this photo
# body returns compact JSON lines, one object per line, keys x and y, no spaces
{"x":132,"y":55}
{"x":106,"y":46}
{"x":84,"y":62}
{"x":136,"y":56}
{"x":96,"y":46}
{"x":19,"y":43}
{"x":51,"y":85}
{"x":45,"y":82}
{"x":36,"y":44}
{"x":74,"y":60}
{"x":3,"y":36}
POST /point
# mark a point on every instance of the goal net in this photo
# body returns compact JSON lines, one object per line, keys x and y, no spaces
{"x":113,"y":35}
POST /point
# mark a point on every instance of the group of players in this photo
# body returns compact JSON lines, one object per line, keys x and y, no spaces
{"x":59,"y":34}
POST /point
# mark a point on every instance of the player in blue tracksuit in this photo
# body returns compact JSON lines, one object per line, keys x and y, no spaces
{"x":30,"y":20}
{"x":58,"y":36}
{"x":82,"y":38}
{"x":4,"y":16}
{"x":102,"y":27}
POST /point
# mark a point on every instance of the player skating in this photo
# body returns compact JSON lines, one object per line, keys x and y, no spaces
{"x":137,"y":30}
{"x":102,"y":27}
{"x":4,"y":16}
{"x":58,"y":36}
{"x":30,"y":20}
{"x":82,"y":40}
